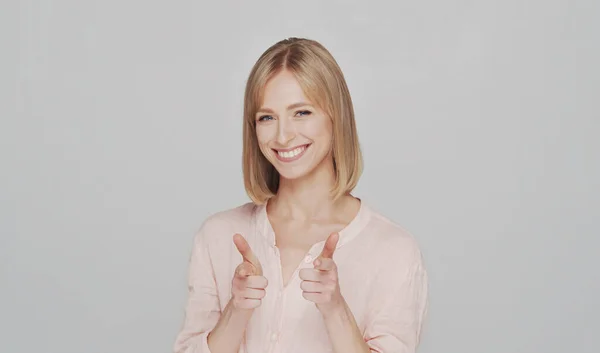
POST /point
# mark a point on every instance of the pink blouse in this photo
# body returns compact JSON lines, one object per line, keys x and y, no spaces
{"x":381,"y":275}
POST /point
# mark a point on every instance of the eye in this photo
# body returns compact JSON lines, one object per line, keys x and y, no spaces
{"x":264,"y":118}
{"x":303,"y":112}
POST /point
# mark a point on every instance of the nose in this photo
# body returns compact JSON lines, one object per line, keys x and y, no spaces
{"x":285,"y":132}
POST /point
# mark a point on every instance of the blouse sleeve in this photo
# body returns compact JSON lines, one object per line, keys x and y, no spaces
{"x":202,"y":309}
{"x":399,"y":308}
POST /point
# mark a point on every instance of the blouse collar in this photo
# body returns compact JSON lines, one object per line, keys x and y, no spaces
{"x":349,"y":232}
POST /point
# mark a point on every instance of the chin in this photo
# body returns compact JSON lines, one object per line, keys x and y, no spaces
{"x":286,"y":173}
{"x":295,"y":171}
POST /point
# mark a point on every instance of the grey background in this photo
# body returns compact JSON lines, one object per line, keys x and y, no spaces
{"x":121,"y":132}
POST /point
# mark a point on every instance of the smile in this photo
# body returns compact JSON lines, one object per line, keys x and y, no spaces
{"x":291,"y":154}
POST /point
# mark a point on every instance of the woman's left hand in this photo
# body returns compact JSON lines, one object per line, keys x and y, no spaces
{"x":320,"y":284}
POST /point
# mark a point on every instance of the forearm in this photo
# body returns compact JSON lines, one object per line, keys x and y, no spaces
{"x":229,"y":331}
{"x":343,"y":331}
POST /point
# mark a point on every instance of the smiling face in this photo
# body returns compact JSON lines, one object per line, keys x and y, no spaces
{"x":294,"y":135}
{"x":298,"y":122}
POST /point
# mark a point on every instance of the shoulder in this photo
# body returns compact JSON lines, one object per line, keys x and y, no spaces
{"x":392,"y":240}
{"x":226,"y":222}
{"x":390,"y":232}
{"x":396,"y":255}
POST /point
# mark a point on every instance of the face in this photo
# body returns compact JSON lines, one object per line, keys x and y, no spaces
{"x":293,"y":134}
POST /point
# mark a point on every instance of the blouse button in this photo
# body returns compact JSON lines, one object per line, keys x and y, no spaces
{"x":308,"y":258}
{"x":274,"y":336}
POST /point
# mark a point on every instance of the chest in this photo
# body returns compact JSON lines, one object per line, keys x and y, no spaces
{"x":294,"y":241}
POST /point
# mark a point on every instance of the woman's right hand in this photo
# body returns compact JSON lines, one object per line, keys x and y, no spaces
{"x":248,"y":287}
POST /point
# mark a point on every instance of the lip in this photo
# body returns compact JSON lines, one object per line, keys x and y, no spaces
{"x":290,"y":159}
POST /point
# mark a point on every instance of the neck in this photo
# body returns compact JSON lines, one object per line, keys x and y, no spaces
{"x":307,"y":197}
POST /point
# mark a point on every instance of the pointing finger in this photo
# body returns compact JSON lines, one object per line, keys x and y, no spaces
{"x":330,"y":245}
{"x":242,"y":245}
{"x":244,"y":248}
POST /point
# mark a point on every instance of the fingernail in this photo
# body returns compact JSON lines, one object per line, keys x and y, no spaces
{"x":317,"y":262}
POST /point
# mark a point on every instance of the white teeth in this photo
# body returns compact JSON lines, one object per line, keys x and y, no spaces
{"x":292,"y":153}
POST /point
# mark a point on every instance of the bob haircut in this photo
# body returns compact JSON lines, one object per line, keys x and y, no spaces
{"x":322,"y":81}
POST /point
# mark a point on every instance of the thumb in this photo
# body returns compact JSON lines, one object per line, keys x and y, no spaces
{"x":247,"y":254}
{"x":330,"y":245}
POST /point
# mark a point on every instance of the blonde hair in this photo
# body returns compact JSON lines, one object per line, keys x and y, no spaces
{"x":323,"y":83}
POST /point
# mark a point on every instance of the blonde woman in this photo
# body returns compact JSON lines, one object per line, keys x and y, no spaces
{"x":306,"y":266}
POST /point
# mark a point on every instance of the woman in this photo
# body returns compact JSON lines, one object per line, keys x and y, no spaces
{"x":305,"y":267}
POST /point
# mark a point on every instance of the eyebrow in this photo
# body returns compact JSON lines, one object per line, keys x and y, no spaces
{"x":290,"y":107}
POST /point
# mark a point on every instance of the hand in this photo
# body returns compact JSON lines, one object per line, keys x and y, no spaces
{"x":248,"y":287}
{"x":320,"y":284}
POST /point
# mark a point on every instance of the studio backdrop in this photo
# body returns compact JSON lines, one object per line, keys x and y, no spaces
{"x":121,"y":131}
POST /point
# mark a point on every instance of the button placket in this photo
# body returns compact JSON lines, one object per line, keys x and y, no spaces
{"x":308,"y":258}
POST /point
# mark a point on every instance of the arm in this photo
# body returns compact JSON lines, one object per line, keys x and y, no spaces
{"x":320,"y":285}
{"x":206,"y":329}
{"x":343,"y":331}
{"x":399,"y":307}
{"x":202,"y":309}
{"x":248,"y":288}
{"x":228,"y":333}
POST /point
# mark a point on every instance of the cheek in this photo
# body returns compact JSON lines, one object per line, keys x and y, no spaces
{"x":263,"y":134}
{"x":320,"y":129}
{"x":264,"y":137}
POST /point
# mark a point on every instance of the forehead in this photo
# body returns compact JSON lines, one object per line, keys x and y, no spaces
{"x":281,"y":90}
